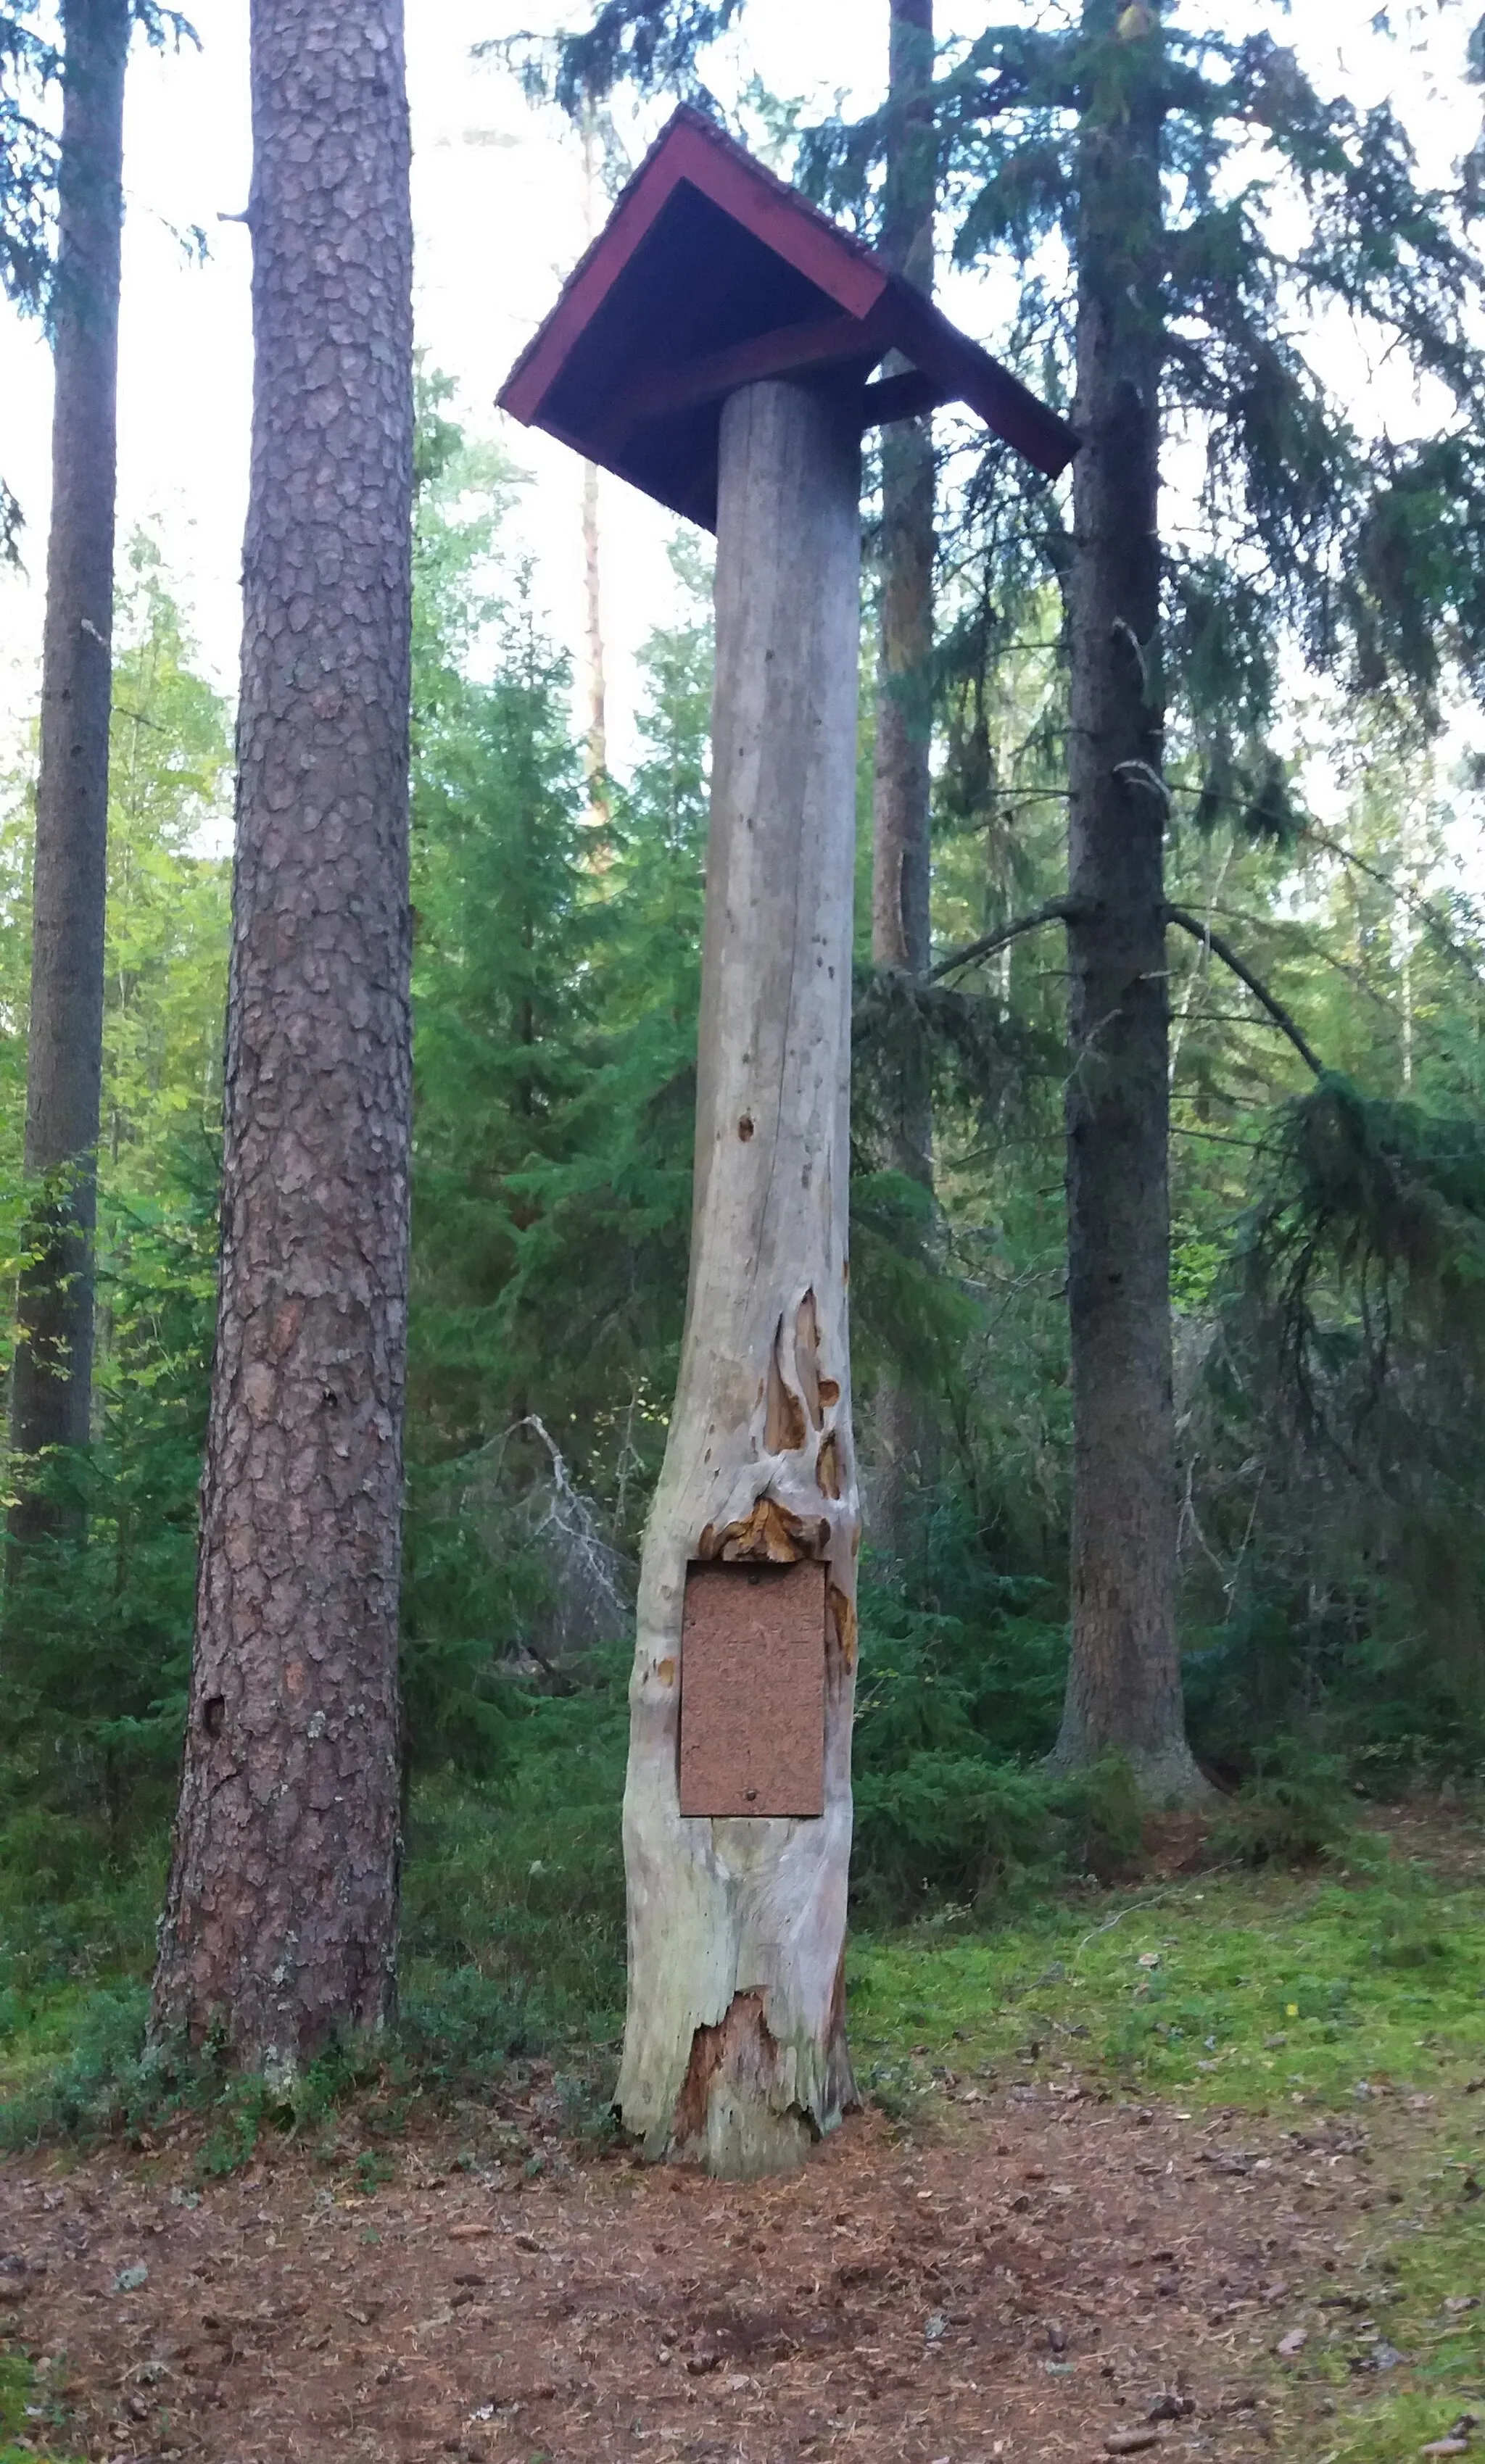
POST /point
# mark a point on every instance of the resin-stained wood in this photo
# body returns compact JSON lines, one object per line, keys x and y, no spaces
{"x":752,"y":1692}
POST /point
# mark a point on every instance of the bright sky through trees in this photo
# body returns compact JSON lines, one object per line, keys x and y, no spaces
{"x":498,"y":199}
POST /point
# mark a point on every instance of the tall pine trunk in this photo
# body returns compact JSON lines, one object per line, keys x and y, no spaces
{"x":1123,"y":1691}
{"x":735,"y":2048}
{"x":52,"y":1378}
{"x":281,"y":1920}
{"x":902,"y":787}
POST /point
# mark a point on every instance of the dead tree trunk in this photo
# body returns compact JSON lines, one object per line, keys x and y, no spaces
{"x":280,"y":1925}
{"x":734,"y":2049}
{"x":52,"y":1378}
{"x":1123,"y":1690}
{"x":902,"y":1427}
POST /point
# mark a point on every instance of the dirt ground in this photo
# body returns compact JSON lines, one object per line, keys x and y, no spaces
{"x":1047,"y":2275}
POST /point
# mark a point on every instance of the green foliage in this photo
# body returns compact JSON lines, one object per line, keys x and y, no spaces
{"x":651,"y":44}
{"x":28,"y":2411}
{"x":1378,"y":1197}
{"x":92,"y":1684}
{"x":98,"y":1623}
{"x":29,"y":63}
{"x":1293,"y":1812}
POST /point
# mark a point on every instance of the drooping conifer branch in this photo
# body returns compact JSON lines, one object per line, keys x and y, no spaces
{"x":1224,"y":950}
{"x":1057,"y":910}
{"x":1063,"y":911}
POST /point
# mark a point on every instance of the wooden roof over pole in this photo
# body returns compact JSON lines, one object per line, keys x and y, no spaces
{"x":711,"y":274}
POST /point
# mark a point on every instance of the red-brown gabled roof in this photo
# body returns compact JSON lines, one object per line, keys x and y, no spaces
{"x":710,"y":273}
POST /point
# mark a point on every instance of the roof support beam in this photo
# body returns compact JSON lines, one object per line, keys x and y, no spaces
{"x":790,"y":350}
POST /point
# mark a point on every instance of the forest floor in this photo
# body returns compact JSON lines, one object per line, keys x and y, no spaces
{"x":1193,"y":2168}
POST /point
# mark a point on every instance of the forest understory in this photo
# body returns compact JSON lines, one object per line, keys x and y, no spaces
{"x":1035,"y":889}
{"x":1188,"y":2163}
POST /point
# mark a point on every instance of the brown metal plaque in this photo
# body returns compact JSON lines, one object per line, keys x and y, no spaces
{"x":752,"y":1691}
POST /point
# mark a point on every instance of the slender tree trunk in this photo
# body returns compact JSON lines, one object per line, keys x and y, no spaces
{"x":735,"y":2048}
{"x":1124,"y":1684}
{"x":901,"y":1421}
{"x":280,"y":1925}
{"x":596,"y":729}
{"x":52,"y":1379}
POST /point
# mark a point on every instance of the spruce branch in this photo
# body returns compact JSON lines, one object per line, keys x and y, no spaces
{"x":1074,"y":911}
{"x":1057,"y":910}
{"x":1224,"y":950}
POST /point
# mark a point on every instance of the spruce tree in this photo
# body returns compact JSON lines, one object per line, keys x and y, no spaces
{"x":901,"y":788}
{"x":1110,"y":141}
{"x":28,"y":63}
{"x":1113,"y":139}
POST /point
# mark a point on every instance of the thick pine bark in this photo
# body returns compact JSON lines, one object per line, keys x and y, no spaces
{"x":52,"y":1378}
{"x":901,"y":1430}
{"x":281,"y":1920}
{"x":734,"y":2047}
{"x":1123,"y":1690}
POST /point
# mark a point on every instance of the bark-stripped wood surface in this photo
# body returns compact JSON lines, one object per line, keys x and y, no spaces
{"x":281,"y":1922}
{"x":734,"y":2047}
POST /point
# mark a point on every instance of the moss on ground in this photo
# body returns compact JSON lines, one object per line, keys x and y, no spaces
{"x":27,"y":2412}
{"x":1360,"y":1990}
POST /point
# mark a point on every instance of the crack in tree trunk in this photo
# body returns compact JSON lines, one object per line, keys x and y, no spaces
{"x":735,"y":2046}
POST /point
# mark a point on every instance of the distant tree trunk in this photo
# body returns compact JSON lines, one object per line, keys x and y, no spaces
{"x":281,"y":1920}
{"x":734,"y":2047}
{"x":52,"y":1378}
{"x":901,"y":855}
{"x":1124,"y":1683}
{"x":596,"y":728}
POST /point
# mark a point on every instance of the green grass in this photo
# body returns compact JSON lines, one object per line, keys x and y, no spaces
{"x":1273,"y":1995}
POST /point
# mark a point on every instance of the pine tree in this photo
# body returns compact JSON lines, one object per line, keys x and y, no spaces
{"x":51,"y":1401}
{"x":280,"y":1920}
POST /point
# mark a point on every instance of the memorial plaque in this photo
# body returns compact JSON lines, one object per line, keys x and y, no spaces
{"x":752,"y":1691}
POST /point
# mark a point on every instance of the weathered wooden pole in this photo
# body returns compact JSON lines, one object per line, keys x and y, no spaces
{"x":735,"y":2045}
{"x":715,"y":348}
